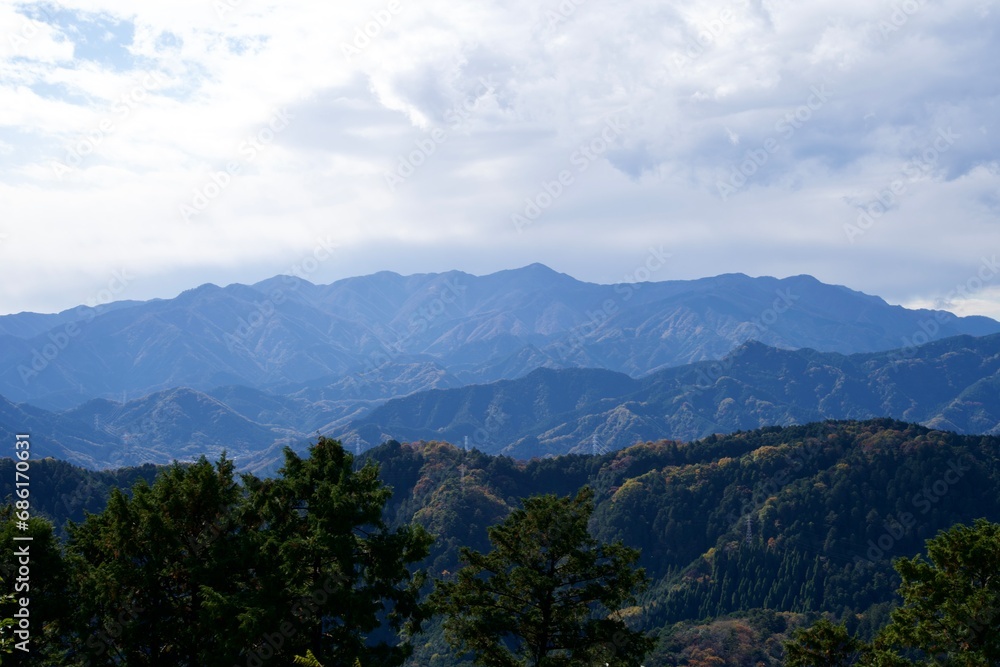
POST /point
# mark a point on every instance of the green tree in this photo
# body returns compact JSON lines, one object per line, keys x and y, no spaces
{"x":822,"y":645}
{"x":200,"y":568}
{"x":950,"y":614}
{"x":548,"y":594}
{"x":951,"y":604}
{"x":44,"y":585}
{"x":166,"y":575}
{"x":6,"y":624}
{"x":358,"y":596}
{"x":309,"y":660}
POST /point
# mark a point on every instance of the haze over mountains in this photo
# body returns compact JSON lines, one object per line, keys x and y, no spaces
{"x":249,"y":368}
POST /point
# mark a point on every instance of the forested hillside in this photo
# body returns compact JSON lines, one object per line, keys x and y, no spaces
{"x":797,"y":520}
{"x":950,"y":384}
{"x":743,"y":537}
{"x":64,"y":492}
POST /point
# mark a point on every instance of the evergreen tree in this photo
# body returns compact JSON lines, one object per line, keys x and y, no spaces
{"x":151,"y":568}
{"x":822,"y":645}
{"x":8,"y":624}
{"x":200,"y":568}
{"x":548,"y":594}
{"x":951,"y":604}
{"x":358,"y":598}
{"x":44,"y":585}
{"x":950,"y":614}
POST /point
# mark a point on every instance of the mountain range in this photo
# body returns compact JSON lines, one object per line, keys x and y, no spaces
{"x":384,"y":335}
{"x":526,"y":361}
{"x":951,"y":384}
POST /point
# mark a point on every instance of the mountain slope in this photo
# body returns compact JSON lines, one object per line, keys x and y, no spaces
{"x":768,"y":526}
{"x":176,"y":424}
{"x":950,"y":384}
{"x":796,"y":520}
{"x":350,"y":336}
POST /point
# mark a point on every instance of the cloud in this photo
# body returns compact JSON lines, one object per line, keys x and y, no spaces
{"x":754,"y":137}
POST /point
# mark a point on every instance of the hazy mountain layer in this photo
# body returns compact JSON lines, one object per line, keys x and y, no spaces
{"x":952,"y":384}
{"x":384,"y":335}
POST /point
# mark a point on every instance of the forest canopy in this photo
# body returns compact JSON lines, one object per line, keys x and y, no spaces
{"x":726,"y":549}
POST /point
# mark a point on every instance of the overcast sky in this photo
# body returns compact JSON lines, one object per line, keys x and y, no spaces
{"x":149,"y":147}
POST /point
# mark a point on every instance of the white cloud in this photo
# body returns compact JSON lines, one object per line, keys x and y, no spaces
{"x":515,"y":89}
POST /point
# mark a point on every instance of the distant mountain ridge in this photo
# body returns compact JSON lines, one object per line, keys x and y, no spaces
{"x":374,"y":337}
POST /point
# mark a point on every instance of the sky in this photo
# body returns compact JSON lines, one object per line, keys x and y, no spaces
{"x":150,"y":147}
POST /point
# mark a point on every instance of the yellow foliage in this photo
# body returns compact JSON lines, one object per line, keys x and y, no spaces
{"x":631,"y":485}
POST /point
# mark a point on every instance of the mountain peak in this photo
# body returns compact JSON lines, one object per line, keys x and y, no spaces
{"x":198,"y":291}
{"x":538,"y":267}
{"x":534,"y":272}
{"x":283,"y":282}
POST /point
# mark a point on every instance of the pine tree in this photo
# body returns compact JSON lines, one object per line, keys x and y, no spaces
{"x":150,"y":569}
{"x":44,"y":586}
{"x":822,"y":645}
{"x":951,"y":603}
{"x":548,"y":594}
{"x":200,"y":568}
{"x":949,"y":616}
{"x":359,"y":598}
